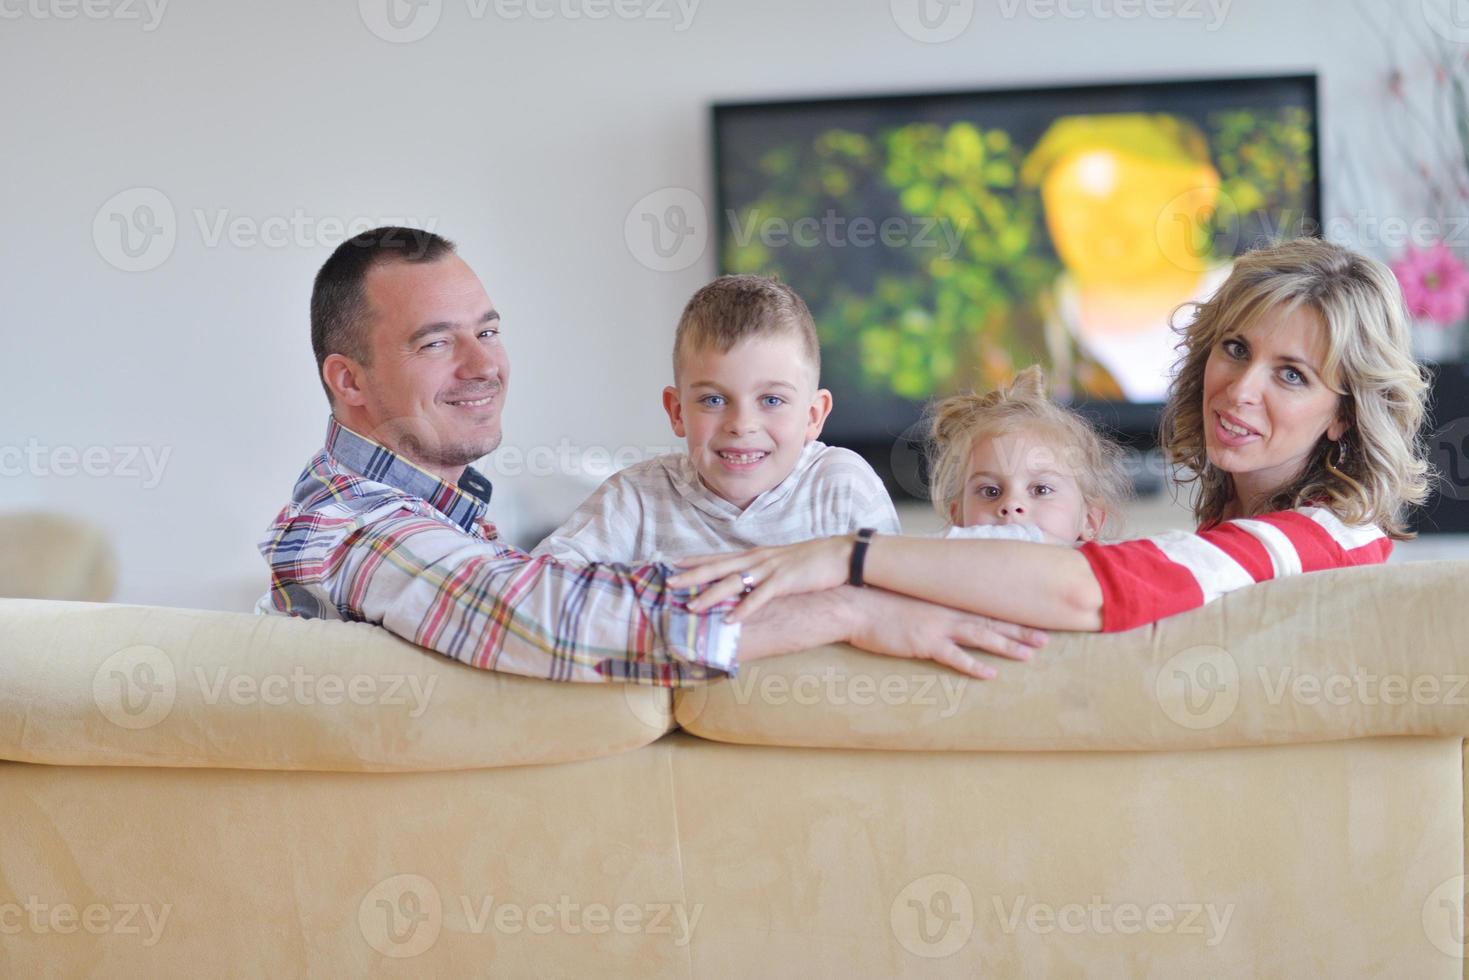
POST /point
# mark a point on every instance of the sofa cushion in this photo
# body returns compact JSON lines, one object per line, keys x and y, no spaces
{"x":1382,"y":650}
{"x":89,"y":684}
{"x":49,"y":556}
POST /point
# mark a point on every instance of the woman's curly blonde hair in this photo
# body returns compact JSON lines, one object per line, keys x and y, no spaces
{"x":956,"y":422}
{"x":1368,"y":363}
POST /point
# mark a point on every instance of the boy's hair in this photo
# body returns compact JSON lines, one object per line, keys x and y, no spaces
{"x":734,"y":308}
{"x":1022,"y":405}
{"x":1369,"y":362}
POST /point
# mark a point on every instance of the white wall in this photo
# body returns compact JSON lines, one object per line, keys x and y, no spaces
{"x":525,"y":140}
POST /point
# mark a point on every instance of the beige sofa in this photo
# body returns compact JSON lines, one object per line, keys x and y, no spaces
{"x":1271,"y":786}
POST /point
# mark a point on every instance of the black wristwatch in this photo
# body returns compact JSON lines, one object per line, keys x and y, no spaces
{"x":859,"y":555}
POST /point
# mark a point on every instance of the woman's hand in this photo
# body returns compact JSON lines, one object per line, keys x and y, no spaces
{"x":811,"y":566}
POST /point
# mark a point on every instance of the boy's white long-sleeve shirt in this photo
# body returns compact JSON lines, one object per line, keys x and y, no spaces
{"x":659,"y":510}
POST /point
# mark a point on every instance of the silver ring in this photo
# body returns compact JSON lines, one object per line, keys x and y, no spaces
{"x":747,"y":581}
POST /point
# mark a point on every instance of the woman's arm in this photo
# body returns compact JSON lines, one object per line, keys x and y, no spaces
{"x":1046,"y":586}
{"x":1041,"y":585}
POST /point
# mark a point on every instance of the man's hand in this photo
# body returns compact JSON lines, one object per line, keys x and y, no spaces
{"x":911,"y":629}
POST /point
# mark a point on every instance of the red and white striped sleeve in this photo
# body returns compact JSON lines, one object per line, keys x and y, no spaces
{"x":1147,"y":579}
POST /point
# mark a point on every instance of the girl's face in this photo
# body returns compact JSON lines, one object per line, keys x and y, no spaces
{"x":1266,"y":405}
{"x":1020,"y":478}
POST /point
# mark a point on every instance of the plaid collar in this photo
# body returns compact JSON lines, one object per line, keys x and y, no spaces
{"x":465,"y":504}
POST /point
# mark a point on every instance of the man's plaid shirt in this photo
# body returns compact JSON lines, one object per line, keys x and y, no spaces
{"x":370,"y":537}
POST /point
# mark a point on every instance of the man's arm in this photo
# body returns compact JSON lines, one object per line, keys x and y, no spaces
{"x":884,"y":623}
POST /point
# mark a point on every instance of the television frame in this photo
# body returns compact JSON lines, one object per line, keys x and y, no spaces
{"x":1134,"y":424}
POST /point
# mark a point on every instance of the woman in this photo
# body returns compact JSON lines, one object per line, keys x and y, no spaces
{"x":1296,"y":409}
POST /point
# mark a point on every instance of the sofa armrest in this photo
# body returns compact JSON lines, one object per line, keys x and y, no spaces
{"x":1350,"y":653}
{"x":89,"y":684}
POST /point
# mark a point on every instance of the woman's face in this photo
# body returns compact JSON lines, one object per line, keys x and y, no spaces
{"x":1265,"y":403}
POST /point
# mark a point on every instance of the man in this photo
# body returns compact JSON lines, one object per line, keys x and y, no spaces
{"x":387,"y":523}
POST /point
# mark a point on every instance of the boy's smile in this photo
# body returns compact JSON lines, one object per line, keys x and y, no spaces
{"x":747,"y":413}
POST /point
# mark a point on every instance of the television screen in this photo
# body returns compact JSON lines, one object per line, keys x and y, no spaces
{"x":945,"y":241}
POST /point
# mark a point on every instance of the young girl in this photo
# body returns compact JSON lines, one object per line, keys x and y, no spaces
{"x":1014,"y":464}
{"x":1296,"y":407}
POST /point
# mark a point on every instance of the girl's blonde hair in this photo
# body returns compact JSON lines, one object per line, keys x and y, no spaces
{"x":1368,"y":363}
{"x":957,"y":422}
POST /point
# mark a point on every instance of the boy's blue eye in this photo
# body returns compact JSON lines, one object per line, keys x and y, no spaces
{"x":712,"y":401}
{"x":773,"y":401}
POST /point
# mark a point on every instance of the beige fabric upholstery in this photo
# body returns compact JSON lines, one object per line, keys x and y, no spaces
{"x":1271,"y":786}
{"x":1342,"y":654}
{"x":140,"y":686}
{"x":731,"y":861}
{"x":47,"y":556}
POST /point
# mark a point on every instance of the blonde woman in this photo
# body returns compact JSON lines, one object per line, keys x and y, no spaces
{"x":1296,"y":411}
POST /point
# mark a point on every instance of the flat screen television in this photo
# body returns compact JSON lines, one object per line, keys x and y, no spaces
{"x":944,"y":241}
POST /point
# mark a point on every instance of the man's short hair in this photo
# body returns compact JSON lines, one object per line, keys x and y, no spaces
{"x":734,"y":308}
{"x":339,"y":311}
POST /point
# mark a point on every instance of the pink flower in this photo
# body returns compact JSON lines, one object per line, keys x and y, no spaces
{"x":1435,"y":284}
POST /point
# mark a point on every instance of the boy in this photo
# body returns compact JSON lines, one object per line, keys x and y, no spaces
{"x":746,"y":365}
